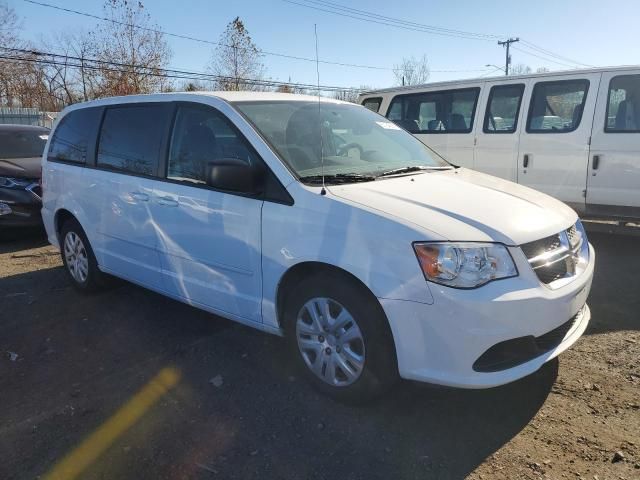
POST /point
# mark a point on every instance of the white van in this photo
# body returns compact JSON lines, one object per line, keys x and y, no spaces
{"x":574,"y":135}
{"x":324,"y":222}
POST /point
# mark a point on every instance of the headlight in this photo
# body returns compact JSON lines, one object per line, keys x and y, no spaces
{"x":8,"y":182}
{"x":464,"y":265}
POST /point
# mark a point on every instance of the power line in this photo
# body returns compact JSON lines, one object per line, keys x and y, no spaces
{"x":200,"y":40}
{"x":37,"y":57}
{"x":210,"y":42}
{"x":397,"y":23}
{"x":554,"y":55}
{"x":543,"y":58}
{"x":365,"y":13}
{"x":367,"y":16}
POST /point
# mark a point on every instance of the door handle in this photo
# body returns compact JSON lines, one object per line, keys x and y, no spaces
{"x":596,"y":162}
{"x":141,"y":197}
{"x":167,"y":202}
{"x":525,"y":160}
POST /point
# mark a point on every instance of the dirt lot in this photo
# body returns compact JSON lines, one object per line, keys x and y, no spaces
{"x":78,"y":376}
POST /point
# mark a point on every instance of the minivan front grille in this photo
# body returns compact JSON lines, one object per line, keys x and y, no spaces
{"x":559,"y":258}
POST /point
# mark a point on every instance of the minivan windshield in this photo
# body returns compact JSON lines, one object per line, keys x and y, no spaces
{"x":22,"y":144}
{"x":357,"y":144}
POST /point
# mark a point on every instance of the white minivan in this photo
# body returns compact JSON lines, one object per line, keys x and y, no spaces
{"x":574,"y":135}
{"x":324,"y":222}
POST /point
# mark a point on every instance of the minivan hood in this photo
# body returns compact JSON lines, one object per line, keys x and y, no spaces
{"x":463,"y":205}
{"x":20,"y":167}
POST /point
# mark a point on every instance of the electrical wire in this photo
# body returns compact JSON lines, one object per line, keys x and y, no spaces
{"x":367,"y":16}
{"x":101,"y":65}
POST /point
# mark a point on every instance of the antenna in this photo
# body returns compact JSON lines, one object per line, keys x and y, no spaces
{"x":324,"y":190}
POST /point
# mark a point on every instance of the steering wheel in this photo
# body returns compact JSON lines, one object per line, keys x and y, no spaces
{"x":343,"y":150}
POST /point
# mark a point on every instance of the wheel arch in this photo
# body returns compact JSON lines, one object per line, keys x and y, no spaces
{"x":300,"y":271}
{"x":62,"y":216}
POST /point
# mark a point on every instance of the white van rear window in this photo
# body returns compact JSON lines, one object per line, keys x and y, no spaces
{"x":556,"y":107}
{"x":623,"y":107}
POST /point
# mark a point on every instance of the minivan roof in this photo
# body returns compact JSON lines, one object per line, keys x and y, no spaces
{"x":231,"y":97}
{"x":582,"y":71}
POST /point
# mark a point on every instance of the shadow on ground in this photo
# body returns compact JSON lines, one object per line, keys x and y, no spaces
{"x":82,"y":357}
{"x":615,"y":298}
{"x":15,"y":240}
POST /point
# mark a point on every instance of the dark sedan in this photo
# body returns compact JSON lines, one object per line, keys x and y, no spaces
{"x":21,"y":148}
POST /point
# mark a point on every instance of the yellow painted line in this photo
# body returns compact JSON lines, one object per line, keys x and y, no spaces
{"x":75,"y":462}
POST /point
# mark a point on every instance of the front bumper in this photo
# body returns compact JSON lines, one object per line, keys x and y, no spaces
{"x":440,"y":343}
{"x":19,"y":208}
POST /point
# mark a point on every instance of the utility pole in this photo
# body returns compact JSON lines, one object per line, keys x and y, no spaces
{"x":507,"y":62}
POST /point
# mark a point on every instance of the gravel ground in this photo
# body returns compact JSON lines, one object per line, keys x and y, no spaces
{"x":239,"y":409}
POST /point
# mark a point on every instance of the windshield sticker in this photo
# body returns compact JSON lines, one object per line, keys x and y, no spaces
{"x":388,"y":125}
{"x":43,"y":137}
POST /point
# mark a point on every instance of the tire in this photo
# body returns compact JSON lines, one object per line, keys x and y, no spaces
{"x":78,"y":258}
{"x":353,"y":360}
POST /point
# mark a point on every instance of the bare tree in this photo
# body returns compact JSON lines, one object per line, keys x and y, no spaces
{"x":133,"y":50}
{"x":9,"y":69}
{"x":412,"y":71}
{"x":519,"y":69}
{"x":237,"y":59}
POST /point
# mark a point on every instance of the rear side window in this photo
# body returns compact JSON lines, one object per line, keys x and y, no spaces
{"x":73,"y":136}
{"x":503,"y":109}
{"x":623,"y":106}
{"x":131,"y":138}
{"x":372,"y":104}
{"x":556,"y":107}
{"x":202,"y":136}
{"x":450,"y":111}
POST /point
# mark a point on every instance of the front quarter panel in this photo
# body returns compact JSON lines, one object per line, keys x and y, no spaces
{"x":322,"y":228}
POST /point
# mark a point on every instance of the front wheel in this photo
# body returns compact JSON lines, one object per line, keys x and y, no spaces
{"x":340,"y":337}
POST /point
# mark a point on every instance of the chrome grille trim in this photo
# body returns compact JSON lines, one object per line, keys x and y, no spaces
{"x":558,"y":259}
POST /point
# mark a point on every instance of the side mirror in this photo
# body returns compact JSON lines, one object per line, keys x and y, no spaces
{"x":235,"y":175}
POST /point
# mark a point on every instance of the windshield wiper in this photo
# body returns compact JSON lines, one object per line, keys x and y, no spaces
{"x":336,"y":178}
{"x":415,"y":168}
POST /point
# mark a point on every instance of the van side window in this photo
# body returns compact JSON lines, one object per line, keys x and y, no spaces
{"x":450,"y":111}
{"x":202,"y":136}
{"x":372,"y":104}
{"x":556,"y":107}
{"x":623,"y":106}
{"x":71,"y":138}
{"x":131,"y":138}
{"x":503,"y":109}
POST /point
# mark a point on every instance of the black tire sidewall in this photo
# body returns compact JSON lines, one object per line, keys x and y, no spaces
{"x":380,"y":367}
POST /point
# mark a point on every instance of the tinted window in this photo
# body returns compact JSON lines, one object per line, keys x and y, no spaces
{"x":623,"y":108}
{"x":449,"y":111}
{"x":556,"y":107}
{"x":71,"y":138}
{"x":372,"y":104}
{"x":131,"y":138}
{"x":203,"y":136}
{"x":503,"y":108}
{"x":22,"y":144}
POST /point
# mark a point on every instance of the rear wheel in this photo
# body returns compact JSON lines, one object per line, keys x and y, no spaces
{"x":340,"y":337}
{"x":78,"y":258}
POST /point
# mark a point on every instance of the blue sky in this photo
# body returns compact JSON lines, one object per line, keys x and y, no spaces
{"x":588,"y":31}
